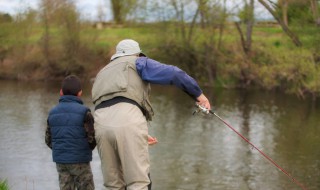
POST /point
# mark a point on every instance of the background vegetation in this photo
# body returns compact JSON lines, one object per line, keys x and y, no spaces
{"x":4,"y":185}
{"x":218,"y":47}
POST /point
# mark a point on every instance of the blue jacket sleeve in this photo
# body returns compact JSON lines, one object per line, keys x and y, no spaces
{"x":158,"y":73}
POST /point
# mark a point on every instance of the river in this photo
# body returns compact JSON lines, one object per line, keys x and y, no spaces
{"x":195,"y":152}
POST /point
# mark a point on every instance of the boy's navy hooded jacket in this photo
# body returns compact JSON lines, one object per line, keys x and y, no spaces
{"x":69,"y":140}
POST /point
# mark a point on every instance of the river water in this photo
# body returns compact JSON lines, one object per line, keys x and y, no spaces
{"x":194,"y":152}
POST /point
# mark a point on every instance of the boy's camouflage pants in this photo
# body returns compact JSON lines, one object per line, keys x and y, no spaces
{"x":75,"y":176}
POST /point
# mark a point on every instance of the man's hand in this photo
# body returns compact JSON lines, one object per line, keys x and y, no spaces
{"x":203,"y":101}
{"x":152,"y":140}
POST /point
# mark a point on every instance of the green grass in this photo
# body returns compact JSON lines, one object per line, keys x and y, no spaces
{"x":4,"y":185}
{"x":269,"y":29}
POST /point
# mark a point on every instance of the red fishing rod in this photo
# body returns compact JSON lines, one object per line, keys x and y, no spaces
{"x":206,"y":111}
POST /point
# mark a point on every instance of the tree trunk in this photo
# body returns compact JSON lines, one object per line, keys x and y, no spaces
{"x":222,"y":24}
{"x":202,"y":6}
{"x":117,"y":11}
{"x":249,"y":27}
{"x":46,"y":37}
{"x":243,"y":40}
{"x":246,"y":39}
{"x":285,"y":28}
{"x":285,"y":12}
{"x":315,"y":12}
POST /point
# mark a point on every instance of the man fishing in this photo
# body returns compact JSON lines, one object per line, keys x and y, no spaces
{"x":120,"y":94}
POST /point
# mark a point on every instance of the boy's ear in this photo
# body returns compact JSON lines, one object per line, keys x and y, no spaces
{"x":79,"y":93}
{"x":61,"y":92}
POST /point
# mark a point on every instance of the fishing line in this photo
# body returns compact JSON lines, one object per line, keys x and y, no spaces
{"x":206,"y":111}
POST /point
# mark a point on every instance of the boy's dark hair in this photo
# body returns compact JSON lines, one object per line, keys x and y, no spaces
{"x":71,"y":85}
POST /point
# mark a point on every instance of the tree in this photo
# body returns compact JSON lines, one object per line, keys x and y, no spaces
{"x":195,"y":41}
{"x":285,"y":28}
{"x":101,"y":13}
{"x":298,"y":12}
{"x":5,"y":17}
{"x":24,"y":22}
{"x":283,"y":4}
{"x":121,"y":9}
{"x":315,"y":11}
{"x":246,"y":17}
{"x":62,"y":16}
{"x":46,"y":8}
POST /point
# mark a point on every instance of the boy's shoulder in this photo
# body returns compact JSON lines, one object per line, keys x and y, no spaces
{"x":85,"y":106}
{"x":75,"y":105}
{"x":53,"y":108}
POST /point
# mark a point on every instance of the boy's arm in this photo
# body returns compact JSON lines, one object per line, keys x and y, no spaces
{"x":48,"y":136}
{"x":88,"y":125}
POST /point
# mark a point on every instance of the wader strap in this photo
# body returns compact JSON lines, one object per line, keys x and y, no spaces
{"x":116,"y":100}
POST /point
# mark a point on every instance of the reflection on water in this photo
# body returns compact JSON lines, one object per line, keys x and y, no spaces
{"x":194,"y":151}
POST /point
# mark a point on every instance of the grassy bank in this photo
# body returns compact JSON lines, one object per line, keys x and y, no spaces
{"x":215,"y":59}
{"x":25,"y":56}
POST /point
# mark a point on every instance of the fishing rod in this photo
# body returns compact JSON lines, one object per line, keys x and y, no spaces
{"x":207,"y":111}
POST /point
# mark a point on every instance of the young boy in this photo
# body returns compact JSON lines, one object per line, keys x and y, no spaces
{"x":70,"y":135}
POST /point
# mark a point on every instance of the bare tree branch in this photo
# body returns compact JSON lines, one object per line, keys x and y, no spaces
{"x":285,"y":28}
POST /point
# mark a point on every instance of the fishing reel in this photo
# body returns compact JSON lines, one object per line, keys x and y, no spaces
{"x":201,"y":109}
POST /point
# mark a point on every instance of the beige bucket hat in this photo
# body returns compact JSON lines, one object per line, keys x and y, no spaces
{"x":127,"y":47}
